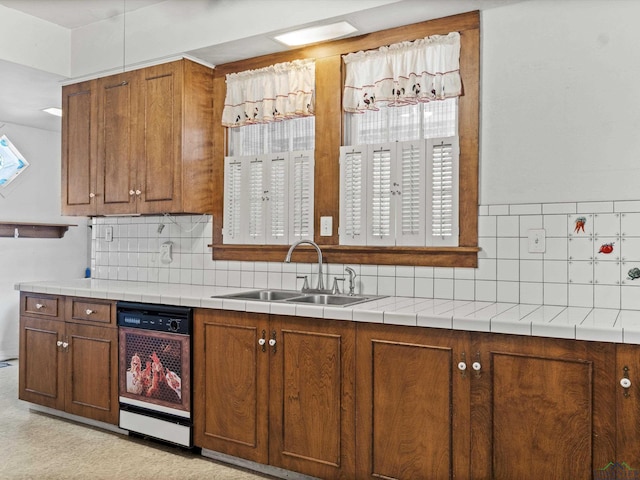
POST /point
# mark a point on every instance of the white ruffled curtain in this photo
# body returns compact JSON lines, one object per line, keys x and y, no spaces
{"x":270,"y":94}
{"x":403,"y":74}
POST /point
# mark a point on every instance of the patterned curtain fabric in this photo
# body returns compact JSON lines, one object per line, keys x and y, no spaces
{"x":270,"y":94}
{"x":403,"y":74}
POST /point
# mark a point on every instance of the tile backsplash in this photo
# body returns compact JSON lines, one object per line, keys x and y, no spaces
{"x":591,"y":251}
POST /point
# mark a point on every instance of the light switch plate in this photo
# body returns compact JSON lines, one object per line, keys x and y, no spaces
{"x":326,"y":226}
{"x":537,"y":240}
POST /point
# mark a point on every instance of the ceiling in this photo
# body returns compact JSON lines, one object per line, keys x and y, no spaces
{"x":76,"y":13}
{"x":24,"y":91}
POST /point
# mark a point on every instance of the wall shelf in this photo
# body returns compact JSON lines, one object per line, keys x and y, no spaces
{"x":33,"y":230}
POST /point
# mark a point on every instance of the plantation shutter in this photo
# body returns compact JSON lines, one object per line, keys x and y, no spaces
{"x":352,"y":229}
{"x":302,"y":196}
{"x":256,"y":190}
{"x":276,"y":203}
{"x":409,"y":189}
{"x":232,"y":219}
{"x":443,"y":216}
{"x":380,"y":216}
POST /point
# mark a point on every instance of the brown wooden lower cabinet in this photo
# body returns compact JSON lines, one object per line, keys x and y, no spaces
{"x":68,"y":365}
{"x":542,"y":408}
{"x":627,"y":411}
{"x":412,"y":403}
{"x":434,"y":404}
{"x":343,"y":400}
{"x":276,"y":390}
{"x":429,"y":403}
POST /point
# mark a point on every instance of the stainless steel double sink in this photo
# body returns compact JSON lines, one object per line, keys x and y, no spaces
{"x":291,"y":296}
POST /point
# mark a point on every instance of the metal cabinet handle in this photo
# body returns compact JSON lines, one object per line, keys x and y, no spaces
{"x":88,"y":311}
{"x":39,"y":306}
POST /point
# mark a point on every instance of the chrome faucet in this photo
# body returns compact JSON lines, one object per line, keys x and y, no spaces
{"x":287,"y":259}
{"x":352,"y":276}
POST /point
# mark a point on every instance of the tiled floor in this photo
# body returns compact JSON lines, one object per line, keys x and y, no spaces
{"x":38,"y":446}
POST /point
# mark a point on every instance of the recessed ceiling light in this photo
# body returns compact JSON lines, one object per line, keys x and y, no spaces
{"x":316,"y":34}
{"x":53,"y":111}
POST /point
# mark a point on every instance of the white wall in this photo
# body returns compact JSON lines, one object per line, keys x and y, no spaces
{"x":35,"y":197}
{"x":560,"y":102}
{"x":32,"y":42}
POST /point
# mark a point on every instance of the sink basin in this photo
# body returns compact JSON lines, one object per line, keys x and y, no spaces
{"x":327,"y":299}
{"x":290,"y":296}
{"x":266,"y":295}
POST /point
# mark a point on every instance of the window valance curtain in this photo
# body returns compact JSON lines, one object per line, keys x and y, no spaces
{"x":403,"y":73}
{"x":270,"y":94}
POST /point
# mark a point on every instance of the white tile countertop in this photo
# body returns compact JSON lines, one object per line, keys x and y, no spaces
{"x":579,"y":323}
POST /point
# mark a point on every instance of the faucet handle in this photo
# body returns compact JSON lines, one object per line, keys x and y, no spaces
{"x":335,"y":288}
{"x":305,"y":285}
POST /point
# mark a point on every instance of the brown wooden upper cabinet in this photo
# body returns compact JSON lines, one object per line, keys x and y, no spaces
{"x":139,"y":142}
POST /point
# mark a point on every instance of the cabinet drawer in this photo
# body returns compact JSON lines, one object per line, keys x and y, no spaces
{"x":90,"y":310}
{"x":37,"y":304}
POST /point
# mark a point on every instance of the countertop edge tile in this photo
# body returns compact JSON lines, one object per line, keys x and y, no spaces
{"x":312,"y":311}
{"x":553,"y":331}
{"x":257,"y":307}
{"x":630,"y":336}
{"x":281,"y":308}
{"x":374,"y":316}
{"x":435,"y":321}
{"x":398,"y":318}
{"x":338,"y":313}
{"x":598,"y":334}
{"x":511,"y":326}
{"x":472,"y":325}
{"x":598,"y":325}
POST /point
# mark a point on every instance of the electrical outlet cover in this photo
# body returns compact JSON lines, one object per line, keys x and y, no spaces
{"x":537,"y":240}
{"x":166,"y":252}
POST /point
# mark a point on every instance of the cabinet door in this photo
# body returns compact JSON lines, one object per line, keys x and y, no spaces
{"x":231,"y":383}
{"x":412,"y":403}
{"x":117,"y":137}
{"x":159,"y":148}
{"x":542,"y":408}
{"x":312,"y":411}
{"x":628,"y":407}
{"x":92,"y":372}
{"x":42,"y":362}
{"x":79,"y":148}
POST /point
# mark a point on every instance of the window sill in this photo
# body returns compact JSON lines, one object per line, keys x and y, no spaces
{"x":411,"y":256}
